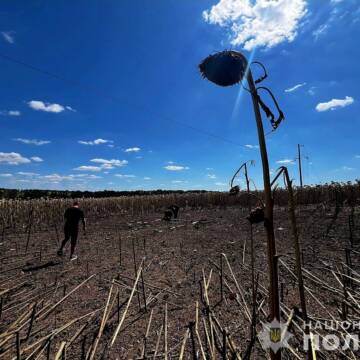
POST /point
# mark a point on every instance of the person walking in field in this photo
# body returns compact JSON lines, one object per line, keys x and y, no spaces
{"x":72,"y":216}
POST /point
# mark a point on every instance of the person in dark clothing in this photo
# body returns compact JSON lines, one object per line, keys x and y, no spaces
{"x":72,"y":216}
{"x":172,"y":211}
{"x":175,"y":210}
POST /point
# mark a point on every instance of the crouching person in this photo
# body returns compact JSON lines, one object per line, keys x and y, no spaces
{"x":172,"y":211}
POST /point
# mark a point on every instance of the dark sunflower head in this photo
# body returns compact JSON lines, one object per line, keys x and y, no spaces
{"x":224,"y":68}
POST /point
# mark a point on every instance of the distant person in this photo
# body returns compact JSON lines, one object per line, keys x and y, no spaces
{"x":72,"y":217}
{"x":175,"y":210}
{"x":172,"y":211}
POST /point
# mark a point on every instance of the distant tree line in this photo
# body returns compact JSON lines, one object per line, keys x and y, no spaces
{"x":66,"y":194}
{"x":309,"y":194}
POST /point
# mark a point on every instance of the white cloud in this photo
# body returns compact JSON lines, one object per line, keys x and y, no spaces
{"x":10,"y":113}
{"x":147,"y":178}
{"x":321,"y":30}
{"x":103,"y":165}
{"x":47,"y":107}
{"x":220,"y":184}
{"x":176,"y":167}
{"x":85,"y":176}
{"x":57,"y":178}
{"x":178,"y":181}
{"x":311,"y":91}
{"x":295,"y":87}
{"x":36,"y":159}
{"x":347,"y":168}
{"x":33,"y":141}
{"x":14,"y":113}
{"x":211,"y":176}
{"x":107,"y":166}
{"x":80,"y":175}
{"x":6,"y":175}
{"x":24,"y":173}
{"x":357,"y":156}
{"x":252,"y":146}
{"x":334,"y":103}
{"x":125,"y":176}
{"x":285,"y":162}
{"x":13,"y":158}
{"x":335,"y":14}
{"x":8,"y":36}
{"x":133,"y":149}
{"x":95,"y":142}
{"x":88,"y":168}
{"x":110,"y":163}
{"x":258,"y":22}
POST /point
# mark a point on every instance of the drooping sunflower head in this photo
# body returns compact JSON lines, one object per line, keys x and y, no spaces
{"x":224,"y":68}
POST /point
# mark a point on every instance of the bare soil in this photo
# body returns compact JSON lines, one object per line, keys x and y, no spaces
{"x":175,"y":256}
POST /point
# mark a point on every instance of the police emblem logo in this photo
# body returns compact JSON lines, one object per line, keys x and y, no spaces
{"x":274,"y":336}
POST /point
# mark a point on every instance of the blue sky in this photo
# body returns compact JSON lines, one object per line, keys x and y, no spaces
{"x":107,"y":95}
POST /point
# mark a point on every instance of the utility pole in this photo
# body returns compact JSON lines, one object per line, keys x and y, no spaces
{"x":299,"y":162}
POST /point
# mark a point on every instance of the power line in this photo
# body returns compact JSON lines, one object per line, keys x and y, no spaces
{"x":114,"y":98}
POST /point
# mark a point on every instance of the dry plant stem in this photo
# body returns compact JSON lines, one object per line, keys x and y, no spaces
{"x":158,"y":342}
{"x":224,"y":350}
{"x":11,"y":331}
{"x":183,"y":345}
{"x":45,"y":346}
{"x":29,"y":229}
{"x":135,"y":270}
{"x":269,"y":223}
{"x":80,"y":331}
{"x":313,"y":346}
{"x":297,"y":249}
{"x":299,"y":164}
{"x":206,"y":285}
{"x":120,"y":250}
{"x":165,"y":333}
{"x":296,"y":243}
{"x":252,"y":254}
{"x":143,"y":352}
{"x":232,"y":347}
{"x":244,"y":165}
{"x":31,"y":321}
{"x":149,"y":285}
{"x":46,"y":313}
{"x":208,"y":341}
{"x":197,"y":331}
{"x":59,"y":354}
{"x":18,"y":348}
{"x":221,"y":280}
{"x":57,"y":235}
{"x":241,"y":292}
{"x":127,"y":305}
{"x":325,"y":308}
{"x":102,"y":325}
{"x":59,"y":330}
{"x":143,"y":289}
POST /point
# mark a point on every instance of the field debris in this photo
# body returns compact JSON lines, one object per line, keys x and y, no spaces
{"x":174,"y":290}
